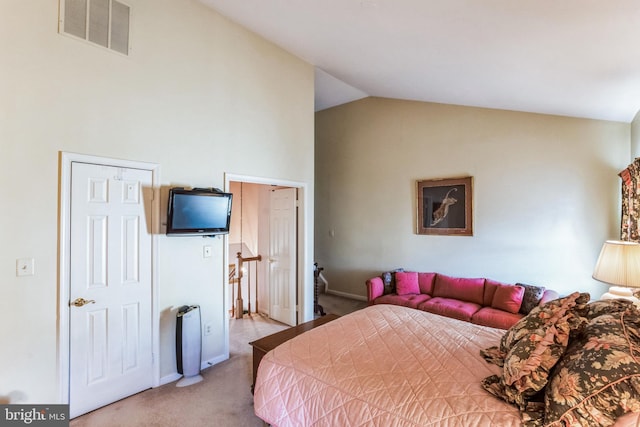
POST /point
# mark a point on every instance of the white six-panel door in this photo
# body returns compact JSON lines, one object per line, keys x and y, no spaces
{"x":111,"y":335}
{"x":282,"y":256}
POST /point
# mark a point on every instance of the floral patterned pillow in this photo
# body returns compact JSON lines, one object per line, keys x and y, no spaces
{"x":531,"y":348}
{"x":608,"y":306}
{"x":539,"y":317}
{"x":545,"y":316}
{"x":598,"y":378}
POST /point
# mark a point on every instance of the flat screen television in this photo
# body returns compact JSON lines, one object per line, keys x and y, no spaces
{"x":198,"y":212}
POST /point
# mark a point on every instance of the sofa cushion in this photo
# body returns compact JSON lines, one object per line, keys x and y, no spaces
{"x":411,"y":301}
{"x":407,"y":283}
{"x":490,"y":287}
{"x":508,"y":298}
{"x":450,"y":307}
{"x":495,"y":318}
{"x":531,"y":298}
{"x":426,"y":281}
{"x":464,"y":289}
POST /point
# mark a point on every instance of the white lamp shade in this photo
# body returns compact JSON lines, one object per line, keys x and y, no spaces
{"x":619,"y":264}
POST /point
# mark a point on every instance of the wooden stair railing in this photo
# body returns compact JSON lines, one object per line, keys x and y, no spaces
{"x":232,"y":281}
{"x":317,"y":308}
{"x":239,"y":308}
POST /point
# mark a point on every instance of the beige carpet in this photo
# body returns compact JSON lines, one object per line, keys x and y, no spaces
{"x":222,"y":399}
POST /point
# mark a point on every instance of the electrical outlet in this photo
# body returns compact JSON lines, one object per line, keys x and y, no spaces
{"x":208,"y":329}
{"x":25,"y":267}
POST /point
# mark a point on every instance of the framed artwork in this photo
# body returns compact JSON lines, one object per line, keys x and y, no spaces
{"x":445,"y":206}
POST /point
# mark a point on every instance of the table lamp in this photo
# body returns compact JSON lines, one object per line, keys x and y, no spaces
{"x":619,"y":265}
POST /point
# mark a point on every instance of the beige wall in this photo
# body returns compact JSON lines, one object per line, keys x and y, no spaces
{"x":244,"y":218}
{"x":546,"y":193}
{"x":244,"y":234}
{"x":198,"y":95}
{"x":635,"y":136}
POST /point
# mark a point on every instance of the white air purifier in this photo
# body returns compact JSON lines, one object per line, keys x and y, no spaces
{"x":188,"y":345}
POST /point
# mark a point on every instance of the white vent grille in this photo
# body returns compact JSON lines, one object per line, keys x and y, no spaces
{"x":103,"y":22}
{"x":120,"y":27}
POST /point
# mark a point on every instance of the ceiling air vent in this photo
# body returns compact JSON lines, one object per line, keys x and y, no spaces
{"x":103,"y":22}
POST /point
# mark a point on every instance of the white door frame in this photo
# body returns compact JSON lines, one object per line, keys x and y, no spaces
{"x":64,"y":260}
{"x":304,"y":255}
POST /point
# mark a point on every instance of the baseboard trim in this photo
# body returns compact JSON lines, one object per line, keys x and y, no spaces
{"x":346,"y":295}
{"x":169,"y":378}
{"x":214,"y":361}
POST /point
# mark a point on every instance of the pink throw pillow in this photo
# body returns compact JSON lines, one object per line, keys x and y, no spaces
{"x":508,"y":298}
{"x":407,"y":283}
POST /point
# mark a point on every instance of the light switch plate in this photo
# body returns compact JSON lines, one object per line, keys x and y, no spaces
{"x":206,"y":252}
{"x":25,"y":267}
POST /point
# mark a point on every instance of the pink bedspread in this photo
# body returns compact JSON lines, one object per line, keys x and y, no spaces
{"x":385,"y":365}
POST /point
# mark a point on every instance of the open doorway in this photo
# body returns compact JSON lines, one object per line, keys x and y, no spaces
{"x":263,"y":251}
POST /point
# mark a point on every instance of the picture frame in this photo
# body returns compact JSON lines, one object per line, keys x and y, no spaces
{"x":445,"y":206}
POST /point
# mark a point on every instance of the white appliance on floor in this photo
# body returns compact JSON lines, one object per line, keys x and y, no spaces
{"x":188,"y":344}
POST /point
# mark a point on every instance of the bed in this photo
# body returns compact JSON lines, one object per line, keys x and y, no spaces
{"x":385,"y":365}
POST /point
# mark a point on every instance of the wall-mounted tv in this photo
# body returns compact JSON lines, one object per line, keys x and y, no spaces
{"x":198,"y":212}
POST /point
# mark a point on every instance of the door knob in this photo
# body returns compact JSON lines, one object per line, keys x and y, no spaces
{"x":79,"y":302}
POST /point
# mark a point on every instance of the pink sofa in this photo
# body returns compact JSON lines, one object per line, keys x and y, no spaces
{"x":481,"y":301}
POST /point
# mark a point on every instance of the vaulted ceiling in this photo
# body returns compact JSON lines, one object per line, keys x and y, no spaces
{"x":577,"y":58}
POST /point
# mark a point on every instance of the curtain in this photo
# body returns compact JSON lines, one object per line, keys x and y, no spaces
{"x":630,"y":202}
